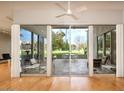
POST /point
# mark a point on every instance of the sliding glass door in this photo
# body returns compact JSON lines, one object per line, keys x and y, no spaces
{"x":69,"y":51}
{"x":33,"y":50}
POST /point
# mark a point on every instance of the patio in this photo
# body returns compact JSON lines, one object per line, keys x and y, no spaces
{"x":64,"y":67}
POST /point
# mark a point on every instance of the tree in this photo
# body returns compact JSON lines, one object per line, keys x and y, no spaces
{"x":57,"y":41}
{"x":65,"y":46}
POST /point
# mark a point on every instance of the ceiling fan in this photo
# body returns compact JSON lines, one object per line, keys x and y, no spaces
{"x":68,"y":11}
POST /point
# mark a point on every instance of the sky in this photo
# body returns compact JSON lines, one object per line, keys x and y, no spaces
{"x":26,"y":35}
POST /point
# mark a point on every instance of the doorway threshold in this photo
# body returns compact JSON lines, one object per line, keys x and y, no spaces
{"x":33,"y":75}
{"x":70,"y":75}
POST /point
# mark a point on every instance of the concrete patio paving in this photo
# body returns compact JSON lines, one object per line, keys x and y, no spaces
{"x":63,"y":67}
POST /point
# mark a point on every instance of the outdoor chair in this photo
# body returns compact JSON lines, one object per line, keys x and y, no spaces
{"x":33,"y":65}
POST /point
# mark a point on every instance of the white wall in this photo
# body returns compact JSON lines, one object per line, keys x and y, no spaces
{"x":42,"y":16}
{"x":5,"y":24}
{"x":5,"y":44}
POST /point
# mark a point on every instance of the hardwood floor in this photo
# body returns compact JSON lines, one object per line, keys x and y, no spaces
{"x":97,"y":82}
{"x":4,"y":71}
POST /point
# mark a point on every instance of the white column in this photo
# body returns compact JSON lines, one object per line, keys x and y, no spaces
{"x":49,"y":51}
{"x":15,"y":49}
{"x":120,"y":50}
{"x":90,"y":50}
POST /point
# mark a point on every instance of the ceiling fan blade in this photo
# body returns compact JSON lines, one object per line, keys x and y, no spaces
{"x":73,"y":16}
{"x":60,"y":6}
{"x":60,"y":15}
{"x":80,"y":9}
{"x":11,"y":19}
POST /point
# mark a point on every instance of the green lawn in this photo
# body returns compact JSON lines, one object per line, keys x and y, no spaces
{"x":67,"y":52}
{"x":60,"y":53}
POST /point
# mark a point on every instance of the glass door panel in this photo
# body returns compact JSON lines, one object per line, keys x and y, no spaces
{"x":108,"y":43}
{"x":33,"y":50}
{"x":60,"y":51}
{"x":100,"y":45}
{"x":78,"y":54}
{"x":42,"y":54}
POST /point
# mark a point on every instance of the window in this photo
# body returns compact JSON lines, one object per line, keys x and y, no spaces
{"x":25,"y":44}
{"x":100,"y":46}
{"x":108,"y":43}
{"x":104,"y":45}
{"x":35,"y":45}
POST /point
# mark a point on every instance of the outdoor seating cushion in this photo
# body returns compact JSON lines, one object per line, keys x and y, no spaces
{"x":32,"y":66}
{"x":33,"y":61}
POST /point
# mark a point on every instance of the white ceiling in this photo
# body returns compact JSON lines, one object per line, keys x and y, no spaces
{"x":7,"y":8}
{"x":40,"y":30}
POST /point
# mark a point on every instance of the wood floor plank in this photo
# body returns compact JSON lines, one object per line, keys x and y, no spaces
{"x":97,"y":82}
